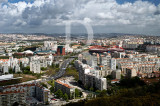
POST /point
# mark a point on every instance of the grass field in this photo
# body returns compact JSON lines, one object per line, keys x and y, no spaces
{"x":51,"y":71}
{"x":72,"y":72}
{"x":25,"y":77}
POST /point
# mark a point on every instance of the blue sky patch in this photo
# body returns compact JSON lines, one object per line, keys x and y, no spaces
{"x":156,"y":2}
{"x":16,"y":1}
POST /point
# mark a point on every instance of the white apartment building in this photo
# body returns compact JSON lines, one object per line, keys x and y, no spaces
{"x":17,"y":68}
{"x":35,"y":66}
{"x":106,"y":60}
{"x":48,"y":45}
{"x":3,"y":68}
{"x":44,"y":60}
{"x":91,"y":77}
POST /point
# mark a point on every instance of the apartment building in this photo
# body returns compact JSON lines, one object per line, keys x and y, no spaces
{"x":35,"y":66}
{"x":142,"y":67}
{"x":91,"y":77}
{"x":65,"y":88}
{"x":23,"y":94}
{"x":132,"y":43}
{"x":106,"y":60}
{"x":3,"y":68}
{"x":115,"y":61}
{"x":37,"y":62}
{"x":13,"y":63}
{"x":131,"y":72}
{"x":116,"y":74}
{"x":97,"y":82}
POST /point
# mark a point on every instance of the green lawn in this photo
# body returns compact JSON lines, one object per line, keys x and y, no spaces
{"x":51,"y":83}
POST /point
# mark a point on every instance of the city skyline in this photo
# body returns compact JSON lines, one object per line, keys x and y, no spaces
{"x":105,"y":16}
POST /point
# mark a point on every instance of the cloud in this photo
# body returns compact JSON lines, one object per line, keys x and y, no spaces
{"x":22,"y":16}
{"x":2,"y":1}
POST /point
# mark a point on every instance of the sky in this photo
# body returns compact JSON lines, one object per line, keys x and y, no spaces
{"x":105,"y":16}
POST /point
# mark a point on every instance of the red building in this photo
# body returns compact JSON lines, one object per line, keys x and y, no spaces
{"x":60,"y":50}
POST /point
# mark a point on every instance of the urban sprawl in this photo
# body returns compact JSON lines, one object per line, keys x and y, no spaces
{"x":40,"y":69}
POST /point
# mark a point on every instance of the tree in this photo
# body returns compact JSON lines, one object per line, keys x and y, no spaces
{"x":52,"y":89}
{"x":21,"y":66}
{"x":65,"y":97}
{"x":131,"y":82}
{"x":53,"y":65}
{"x":57,"y":65}
{"x":80,"y":82}
{"x":77,"y":93}
{"x":44,"y":85}
{"x":43,"y":68}
{"x":20,"y":50}
{"x":91,"y":89}
{"x":19,"y":73}
{"x":98,"y":91}
{"x":15,"y":104}
{"x":11,"y":71}
{"x":5,"y":73}
{"x":102,"y":93}
{"x":109,"y":77}
{"x":59,"y":93}
{"x":47,"y":103}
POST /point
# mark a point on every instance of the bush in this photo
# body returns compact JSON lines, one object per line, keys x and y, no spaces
{"x":43,"y":68}
{"x":44,"y":85}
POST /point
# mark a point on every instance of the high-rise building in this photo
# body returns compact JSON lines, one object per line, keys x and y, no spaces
{"x":60,"y":50}
{"x":35,"y":66}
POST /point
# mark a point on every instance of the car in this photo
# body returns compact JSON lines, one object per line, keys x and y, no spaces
{"x":54,"y":99}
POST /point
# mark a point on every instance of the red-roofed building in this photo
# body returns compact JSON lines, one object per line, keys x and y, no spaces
{"x":65,"y":88}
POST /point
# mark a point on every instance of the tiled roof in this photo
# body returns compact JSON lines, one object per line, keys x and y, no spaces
{"x":66,"y":85}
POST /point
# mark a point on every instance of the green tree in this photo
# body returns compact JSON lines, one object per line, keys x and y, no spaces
{"x":98,"y":91}
{"x":57,"y":65}
{"x":131,"y":82}
{"x":102,"y":93}
{"x":44,"y":85}
{"x":109,"y":77}
{"x":77,"y":93}
{"x":53,"y":65}
{"x":19,"y":73}
{"x":20,"y":50}
{"x":21,"y":66}
{"x":91,"y":89}
{"x":59,"y":93}
{"x":43,"y":68}
{"x":52,"y":89}
{"x":11,"y":71}
{"x":65,"y":97}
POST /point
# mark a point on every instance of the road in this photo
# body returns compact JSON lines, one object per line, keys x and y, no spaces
{"x":62,"y":70}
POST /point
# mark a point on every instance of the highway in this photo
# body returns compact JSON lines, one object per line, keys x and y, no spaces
{"x":62,"y":70}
